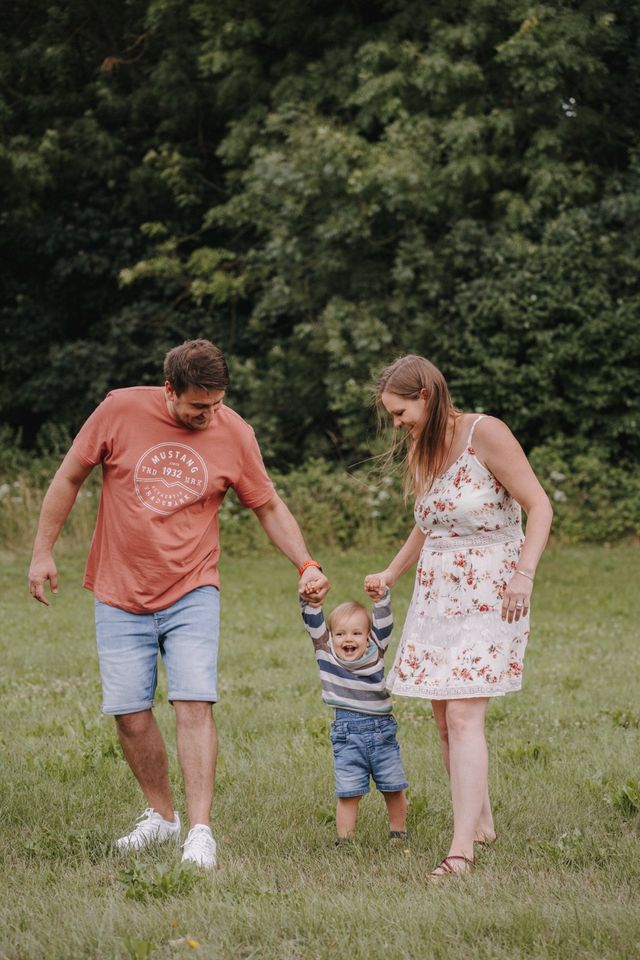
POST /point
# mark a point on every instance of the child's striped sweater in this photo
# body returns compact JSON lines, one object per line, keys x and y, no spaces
{"x":353,"y":685}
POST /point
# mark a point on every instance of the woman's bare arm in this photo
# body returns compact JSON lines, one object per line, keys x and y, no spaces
{"x":501,"y":453}
{"x":405,"y":558}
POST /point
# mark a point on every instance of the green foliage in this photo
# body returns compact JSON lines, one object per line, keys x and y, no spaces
{"x":626,"y":798}
{"x":144,"y":881}
{"x":626,"y":718}
{"x":592,"y":499}
{"x":528,"y":754}
{"x":574,"y":849}
{"x":88,"y":158}
{"x":343,"y":509}
{"x":24,"y":477}
{"x":422,"y":185}
{"x":317,"y":188}
{"x":138,"y":949}
{"x":333,"y":507}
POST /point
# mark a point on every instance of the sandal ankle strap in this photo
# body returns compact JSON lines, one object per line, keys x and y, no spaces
{"x":446,"y":867}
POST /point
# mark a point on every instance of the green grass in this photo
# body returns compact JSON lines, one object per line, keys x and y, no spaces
{"x":562,"y":882}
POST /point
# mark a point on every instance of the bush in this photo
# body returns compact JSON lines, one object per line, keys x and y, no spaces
{"x":335,"y":508}
{"x":24,"y":479}
{"x":592,"y":500}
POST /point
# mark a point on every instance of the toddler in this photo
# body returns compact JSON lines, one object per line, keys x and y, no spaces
{"x":350,"y":654}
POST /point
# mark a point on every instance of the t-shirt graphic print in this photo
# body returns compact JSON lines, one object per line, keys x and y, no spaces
{"x":169,"y":476}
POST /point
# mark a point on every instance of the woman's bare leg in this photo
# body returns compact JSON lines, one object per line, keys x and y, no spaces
{"x":485,"y":828}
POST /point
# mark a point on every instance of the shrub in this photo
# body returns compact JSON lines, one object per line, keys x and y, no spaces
{"x":592,"y":500}
{"x":335,"y":508}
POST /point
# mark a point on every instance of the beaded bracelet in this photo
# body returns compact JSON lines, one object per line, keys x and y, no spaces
{"x":306,"y":564}
{"x":527,"y":575}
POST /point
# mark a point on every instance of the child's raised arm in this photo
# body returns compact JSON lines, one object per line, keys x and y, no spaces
{"x":382,"y":625}
{"x":313,"y":619}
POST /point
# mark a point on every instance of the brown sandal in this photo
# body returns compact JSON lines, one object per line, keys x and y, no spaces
{"x":447,"y":870}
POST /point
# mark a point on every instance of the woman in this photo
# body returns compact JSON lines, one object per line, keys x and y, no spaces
{"x":468,"y":623}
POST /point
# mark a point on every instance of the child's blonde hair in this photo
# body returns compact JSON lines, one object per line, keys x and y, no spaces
{"x":346,"y":609}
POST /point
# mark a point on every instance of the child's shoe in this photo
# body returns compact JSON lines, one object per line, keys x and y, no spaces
{"x":343,"y":842}
{"x":400,"y":840}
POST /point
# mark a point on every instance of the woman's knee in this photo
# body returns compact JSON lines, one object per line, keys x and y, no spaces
{"x":463,"y":719}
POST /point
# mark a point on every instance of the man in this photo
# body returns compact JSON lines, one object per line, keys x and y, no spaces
{"x":168,"y":456}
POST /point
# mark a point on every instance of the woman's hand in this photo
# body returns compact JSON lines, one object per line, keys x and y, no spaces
{"x":377,"y":584}
{"x":516,"y":598}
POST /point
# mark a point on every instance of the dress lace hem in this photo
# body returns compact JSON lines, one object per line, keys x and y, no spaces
{"x":425,"y":692}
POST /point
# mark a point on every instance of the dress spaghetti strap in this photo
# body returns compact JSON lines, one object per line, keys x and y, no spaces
{"x":473,"y":426}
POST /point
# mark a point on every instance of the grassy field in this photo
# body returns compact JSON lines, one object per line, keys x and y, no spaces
{"x":563,"y":881}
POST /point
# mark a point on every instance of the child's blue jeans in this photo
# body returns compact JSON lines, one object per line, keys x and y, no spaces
{"x":366,"y":747}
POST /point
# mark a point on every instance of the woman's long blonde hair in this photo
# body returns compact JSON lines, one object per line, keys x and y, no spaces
{"x":411,"y":377}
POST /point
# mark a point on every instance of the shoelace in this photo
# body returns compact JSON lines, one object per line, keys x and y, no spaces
{"x":199,"y":841}
{"x":143,"y":823}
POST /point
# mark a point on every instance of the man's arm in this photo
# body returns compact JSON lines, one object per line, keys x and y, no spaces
{"x":56,"y":506}
{"x":282,"y":528}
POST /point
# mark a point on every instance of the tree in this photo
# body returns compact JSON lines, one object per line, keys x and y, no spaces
{"x":321,"y":186}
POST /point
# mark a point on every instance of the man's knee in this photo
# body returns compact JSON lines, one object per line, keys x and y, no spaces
{"x":132,"y":724}
{"x":193,"y":713}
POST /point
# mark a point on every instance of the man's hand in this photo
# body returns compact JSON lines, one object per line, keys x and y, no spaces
{"x":41,"y":570}
{"x":313,"y":586}
{"x":57,"y":503}
{"x":376,"y":585}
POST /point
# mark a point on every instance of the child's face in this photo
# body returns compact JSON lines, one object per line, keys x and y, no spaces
{"x":350,"y":635}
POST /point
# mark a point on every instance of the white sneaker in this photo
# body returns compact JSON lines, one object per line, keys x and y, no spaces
{"x":200,"y":847}
{"x":150,"y":828}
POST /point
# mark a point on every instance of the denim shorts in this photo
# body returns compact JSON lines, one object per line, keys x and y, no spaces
{"x":364,"y":747}
{"x":186,"y":637}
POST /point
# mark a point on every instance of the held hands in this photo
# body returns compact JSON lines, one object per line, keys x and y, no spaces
{"x":41,"y":570}
{"x":313,"y":586}
{"x":516,"y":598}
{"x":376,"y":585}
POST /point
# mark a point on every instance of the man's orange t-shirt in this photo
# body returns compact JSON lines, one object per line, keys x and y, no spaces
{"x":156,"y":535}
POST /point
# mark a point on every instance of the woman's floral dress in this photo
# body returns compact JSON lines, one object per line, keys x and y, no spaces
{"x":454,"y":643}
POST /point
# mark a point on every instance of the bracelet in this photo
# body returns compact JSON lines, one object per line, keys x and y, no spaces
{"x":309,"y":563}
{"x":527,"y":575}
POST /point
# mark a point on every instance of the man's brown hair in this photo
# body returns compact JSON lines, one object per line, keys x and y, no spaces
{"x":197,"y":364}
